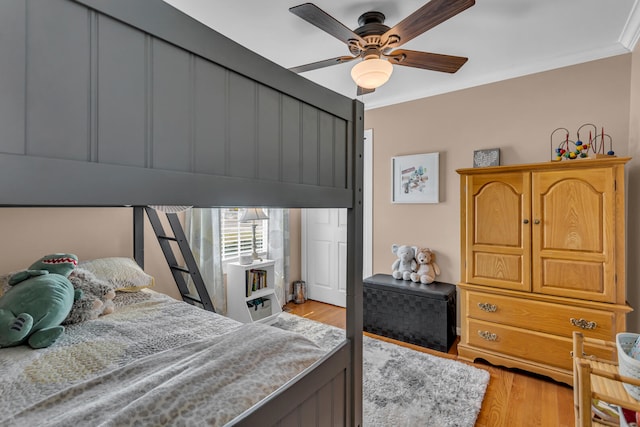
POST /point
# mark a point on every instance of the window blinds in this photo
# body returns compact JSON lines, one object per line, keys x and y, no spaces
{"x":236,"y":235}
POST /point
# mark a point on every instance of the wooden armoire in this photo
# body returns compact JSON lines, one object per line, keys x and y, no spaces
{"x":542,"y":255}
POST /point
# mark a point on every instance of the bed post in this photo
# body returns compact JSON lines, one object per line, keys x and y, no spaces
{"x":138,"y":235}
{"x":354,"y":266}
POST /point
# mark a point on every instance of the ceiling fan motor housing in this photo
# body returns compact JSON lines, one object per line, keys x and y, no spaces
{"x":371,"y":23}
{"x":371,"y":28}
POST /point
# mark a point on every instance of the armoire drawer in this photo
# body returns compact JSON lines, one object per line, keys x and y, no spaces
{"x":533,"y":346}
{"x":540,"y":316}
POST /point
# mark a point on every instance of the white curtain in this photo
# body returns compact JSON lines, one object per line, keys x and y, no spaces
{"x":203,"y":232}
{"x":278,"y":250}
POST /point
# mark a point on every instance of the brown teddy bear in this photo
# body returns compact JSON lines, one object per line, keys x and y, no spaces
{"x":427,"y":269}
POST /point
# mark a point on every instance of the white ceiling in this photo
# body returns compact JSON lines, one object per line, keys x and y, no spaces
{"x":502,"y":38}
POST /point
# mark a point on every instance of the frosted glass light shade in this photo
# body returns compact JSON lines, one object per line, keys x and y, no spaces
{"x":371,"y":73}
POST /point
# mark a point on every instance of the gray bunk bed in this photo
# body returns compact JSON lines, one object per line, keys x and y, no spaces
{"x":132,"y":103}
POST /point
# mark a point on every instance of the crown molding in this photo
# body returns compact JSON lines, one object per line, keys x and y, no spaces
{"x":539,"y":66}
{"x":631,"y":31}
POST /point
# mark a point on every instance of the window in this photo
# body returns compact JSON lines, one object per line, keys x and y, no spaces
{"x":237,"y":236}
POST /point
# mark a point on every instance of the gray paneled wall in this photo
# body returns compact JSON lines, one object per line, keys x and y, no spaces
{"x":58,"y":76}
{"x":12,"y":78}
{"x":122,"y":55}
{"x":79,"y":85}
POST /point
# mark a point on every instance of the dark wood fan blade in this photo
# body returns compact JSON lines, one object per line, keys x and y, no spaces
{"x":426,"y":60}
{"x":425,"y":18}
{"x":316,"y":16}
{"x":322,"y":64}
{"x":364,"y":91}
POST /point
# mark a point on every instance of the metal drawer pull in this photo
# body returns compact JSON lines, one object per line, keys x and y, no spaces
{"x":489,"y":308}
{"x":489,"y":336}
{"x":584,"y":324}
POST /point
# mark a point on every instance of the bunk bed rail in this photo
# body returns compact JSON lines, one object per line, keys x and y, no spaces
{"x":136,"y":102}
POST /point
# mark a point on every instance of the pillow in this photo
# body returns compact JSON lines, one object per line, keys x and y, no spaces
{"x":123,"y":273}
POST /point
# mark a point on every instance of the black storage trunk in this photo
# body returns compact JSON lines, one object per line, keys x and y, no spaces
{"x":411,"y":312}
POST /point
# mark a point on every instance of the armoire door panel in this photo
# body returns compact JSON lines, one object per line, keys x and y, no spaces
{"x":498,"y":241}
{"x":575,"y":212}
{"x":501,"y":208}
{"x":559,"y":276}
{"x":500,"y":270}
{"x":573,"y":233}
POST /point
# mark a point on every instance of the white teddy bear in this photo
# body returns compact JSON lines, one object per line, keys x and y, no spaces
{"x":405,"y":264}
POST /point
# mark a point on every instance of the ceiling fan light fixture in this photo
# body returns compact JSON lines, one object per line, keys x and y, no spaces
{"x":371,"y":73}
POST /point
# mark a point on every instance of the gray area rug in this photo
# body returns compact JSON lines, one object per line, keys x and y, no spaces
{"x":404,"y":387}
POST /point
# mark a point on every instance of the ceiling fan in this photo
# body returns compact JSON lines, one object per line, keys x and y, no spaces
{"x":373,"y":40}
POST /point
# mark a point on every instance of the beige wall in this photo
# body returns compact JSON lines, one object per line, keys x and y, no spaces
{"x":516,"y":116}
{"x":30,"y":233}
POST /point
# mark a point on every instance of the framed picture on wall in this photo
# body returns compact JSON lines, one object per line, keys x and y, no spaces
{"x":415,"y":178}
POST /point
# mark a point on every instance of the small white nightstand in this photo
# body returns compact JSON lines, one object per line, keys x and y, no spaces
{"x":251,"y":296}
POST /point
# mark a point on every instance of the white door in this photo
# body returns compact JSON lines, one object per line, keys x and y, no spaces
{"x":324,"y":254}
{"x":324,"y":242}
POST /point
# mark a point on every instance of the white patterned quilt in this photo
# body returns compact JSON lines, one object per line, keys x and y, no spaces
{"x":154,"y":361}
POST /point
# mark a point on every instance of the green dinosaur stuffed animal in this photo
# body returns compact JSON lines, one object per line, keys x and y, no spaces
{"x":39,"y":299}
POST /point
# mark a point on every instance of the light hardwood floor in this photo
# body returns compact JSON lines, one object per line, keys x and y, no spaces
{"x":513,"y":399}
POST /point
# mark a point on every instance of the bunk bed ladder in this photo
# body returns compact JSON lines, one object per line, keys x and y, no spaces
{"x":179,"y":271}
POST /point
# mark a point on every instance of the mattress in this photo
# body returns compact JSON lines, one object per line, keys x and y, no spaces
{"x":154,"y":361}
